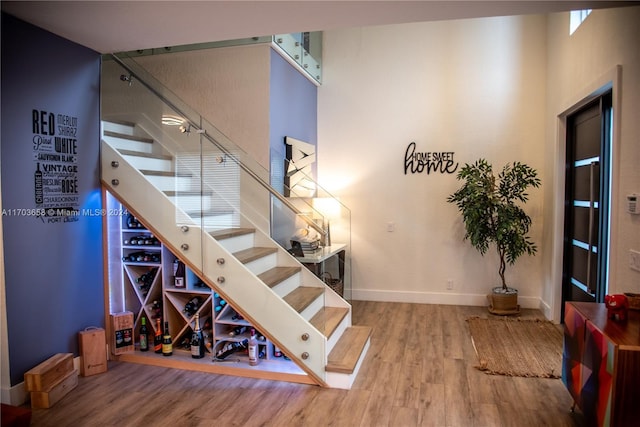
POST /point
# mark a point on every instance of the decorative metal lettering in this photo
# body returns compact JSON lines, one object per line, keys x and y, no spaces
{"x":427,"y":162}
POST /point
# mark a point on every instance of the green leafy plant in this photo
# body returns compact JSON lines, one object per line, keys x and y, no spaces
{"x":490,"y":209}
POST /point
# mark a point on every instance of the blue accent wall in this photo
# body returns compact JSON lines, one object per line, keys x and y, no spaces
{"x":53,"y":267}
{"x":293,"y":112}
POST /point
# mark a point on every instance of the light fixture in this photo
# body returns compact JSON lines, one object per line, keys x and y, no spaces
{"x":127,"y":78}
{"x":171,"y":120}
{"x":329,"y":208}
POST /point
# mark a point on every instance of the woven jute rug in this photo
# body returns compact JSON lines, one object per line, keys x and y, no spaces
{"x":516,"y":347}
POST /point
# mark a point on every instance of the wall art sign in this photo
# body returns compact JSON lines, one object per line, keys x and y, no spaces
{"x":298,"y":168}
{"x":55,"y":157}
{"x":429,"y":161}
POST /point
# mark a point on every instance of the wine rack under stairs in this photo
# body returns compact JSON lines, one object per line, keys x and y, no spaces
{"x":149,"y":290}
{"x":284,"y":300}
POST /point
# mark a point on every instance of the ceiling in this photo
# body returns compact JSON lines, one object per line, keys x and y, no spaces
{"x":116,"y":26}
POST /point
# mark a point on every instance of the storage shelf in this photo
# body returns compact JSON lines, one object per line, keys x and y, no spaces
{"x":172,"y":300}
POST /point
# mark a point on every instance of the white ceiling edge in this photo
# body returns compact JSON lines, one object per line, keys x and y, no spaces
{"x":117,"y":26}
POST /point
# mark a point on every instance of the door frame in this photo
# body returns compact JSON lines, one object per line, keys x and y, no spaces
{"x":611,"y":80}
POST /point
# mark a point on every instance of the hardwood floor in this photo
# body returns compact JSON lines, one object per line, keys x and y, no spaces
{"x":418,"y":372}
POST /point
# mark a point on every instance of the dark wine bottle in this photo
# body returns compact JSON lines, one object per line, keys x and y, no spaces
{"x":167,"y":343}
{"x":231,"y":347}
{"x":179,"y":274}
{"x":144,"y":335}
{"x":156,"y":308}
{"x":132,"y":222}
{"x":192,"y":306}
{"x":197,"y":341}
{"x":237,"y":331}
{"x":157,"y":341}
{"x":208,"y":324}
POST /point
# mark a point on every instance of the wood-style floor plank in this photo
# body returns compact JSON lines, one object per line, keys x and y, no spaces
{"x":419,"y":371}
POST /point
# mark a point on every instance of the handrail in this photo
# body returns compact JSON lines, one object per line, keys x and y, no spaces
{"x":221,"y":147}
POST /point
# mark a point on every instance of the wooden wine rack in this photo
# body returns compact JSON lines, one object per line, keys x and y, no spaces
{"x":123,"y":282}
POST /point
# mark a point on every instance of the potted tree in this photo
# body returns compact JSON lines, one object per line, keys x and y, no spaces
{"x":491,"y":215}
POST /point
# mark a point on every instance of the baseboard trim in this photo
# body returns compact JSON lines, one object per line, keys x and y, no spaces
{"x":437,"y":298}
{"x":15,"y":396}
{"x":546,"y":309}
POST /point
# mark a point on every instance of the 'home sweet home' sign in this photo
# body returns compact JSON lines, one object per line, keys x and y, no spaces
{"x":421,"y":162}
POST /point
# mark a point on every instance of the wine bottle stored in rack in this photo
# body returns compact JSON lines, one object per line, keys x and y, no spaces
{"x":157,"y":341}
{"x":144,"y":335}
{"x":253,"y":349}
{"x":197,"y":341}
{"x":167,"y":342}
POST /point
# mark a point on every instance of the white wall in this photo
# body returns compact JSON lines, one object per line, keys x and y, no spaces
{"x":474,"y":87}
{"x":578,"y":66}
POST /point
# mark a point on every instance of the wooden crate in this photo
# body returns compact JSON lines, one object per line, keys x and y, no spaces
{"x":48,"y":373}
{"x":122,"y":333}
{"x":48,"y":398}
{"x":93,"y":353}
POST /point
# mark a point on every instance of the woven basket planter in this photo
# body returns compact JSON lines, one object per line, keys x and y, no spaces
{"x":503,"y":303}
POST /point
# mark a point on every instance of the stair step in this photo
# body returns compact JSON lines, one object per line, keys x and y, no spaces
{"x":130,"y":137}
{"x":148,"y":155}
{"x":165,"y":173}
{"x":228,"y":233}
{"x":277,"y":274}
{"x":346,"y":353}
{"x":247,"y":255}
{"x":328,"y":318}
{"x":302,"y":297}
{"x":119,"y":126}
{"x":145,"y":161}
{"x":171,"y":193}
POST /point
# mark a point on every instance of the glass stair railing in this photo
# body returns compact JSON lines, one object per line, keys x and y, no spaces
{"x":212,"y":205}
{"x":303,"y":50}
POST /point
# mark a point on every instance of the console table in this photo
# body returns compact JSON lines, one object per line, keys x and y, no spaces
{"x":601,"y":364}
{"x":316,"y":261}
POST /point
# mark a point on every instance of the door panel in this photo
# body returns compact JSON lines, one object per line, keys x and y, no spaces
{"x":582,"y":190}
{"x":581,"y":224}
{"x":586,"y":230}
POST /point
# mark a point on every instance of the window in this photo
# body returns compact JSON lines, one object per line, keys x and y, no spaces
{"x":576,"y":18}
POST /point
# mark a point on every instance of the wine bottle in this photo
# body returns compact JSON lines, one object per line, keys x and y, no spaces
{"x":218,"y":308}
{"x":179,"y":273}
{"x":231,"y":347}
{"x":192,"y":306}
{"x":197,"y":341}
{"x":237,"y":331}
{"x":132,"y":222}
{"x":157,"y":341}
{"x":253,"y":349}
{"x":207,"y":323}
{"x":144,"y":335}
{"x":167,"y":343}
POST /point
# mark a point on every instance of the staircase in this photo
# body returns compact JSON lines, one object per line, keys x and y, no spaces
{"x":177,"y":194}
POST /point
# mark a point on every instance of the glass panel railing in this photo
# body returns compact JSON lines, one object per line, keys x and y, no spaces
{"x":305,"y":49}
{"x":171,"y":163}
{"x":328,"y":221}
{"x":212,"y":184}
